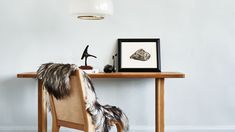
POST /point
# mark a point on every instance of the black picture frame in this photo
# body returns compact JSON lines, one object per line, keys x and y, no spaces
{"x":139,"y":55}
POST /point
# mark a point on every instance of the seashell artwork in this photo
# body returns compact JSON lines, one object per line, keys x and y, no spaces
{"x":140,"y":55}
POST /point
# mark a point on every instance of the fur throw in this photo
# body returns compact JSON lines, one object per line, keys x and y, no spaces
{"x":55,"y":79}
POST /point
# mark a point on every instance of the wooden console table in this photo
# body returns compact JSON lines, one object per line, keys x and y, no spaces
{"x":159,"y":93}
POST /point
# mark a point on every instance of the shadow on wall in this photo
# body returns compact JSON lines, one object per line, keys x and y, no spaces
{"x":18,"y":101}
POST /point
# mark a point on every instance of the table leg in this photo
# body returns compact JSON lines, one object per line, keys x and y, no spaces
{"x":159,"y":104}
{"x":42,"y":108}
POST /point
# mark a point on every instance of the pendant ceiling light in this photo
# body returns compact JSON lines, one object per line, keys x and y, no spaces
{"x":91,"y":9}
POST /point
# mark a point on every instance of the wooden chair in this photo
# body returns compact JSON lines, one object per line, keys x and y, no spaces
{"x":70,"y":112}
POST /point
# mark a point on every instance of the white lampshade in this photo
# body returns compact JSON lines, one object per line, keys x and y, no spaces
{"x":91,"y":9}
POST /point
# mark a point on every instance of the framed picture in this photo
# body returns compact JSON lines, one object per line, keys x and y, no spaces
{"x":139,"y":55}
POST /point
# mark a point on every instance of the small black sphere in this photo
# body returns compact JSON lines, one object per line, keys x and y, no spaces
{"x":108,"y":68}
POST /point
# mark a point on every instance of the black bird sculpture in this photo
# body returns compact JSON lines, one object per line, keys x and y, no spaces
{"x":86,"y":55}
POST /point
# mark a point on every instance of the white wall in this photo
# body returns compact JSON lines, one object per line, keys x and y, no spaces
{"x":197,"y":38}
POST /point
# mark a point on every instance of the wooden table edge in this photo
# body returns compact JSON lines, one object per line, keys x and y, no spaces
{"x":119,"y":75}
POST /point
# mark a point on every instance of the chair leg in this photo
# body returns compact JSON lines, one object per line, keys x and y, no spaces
{"x":55,"y":128}
{"x":119,"y":127}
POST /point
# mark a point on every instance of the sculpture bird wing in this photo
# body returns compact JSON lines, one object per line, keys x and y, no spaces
{"x":85,"y":52}
{"x":91,"y":56}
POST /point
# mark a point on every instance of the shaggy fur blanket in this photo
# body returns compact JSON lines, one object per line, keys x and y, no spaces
{"x":55,"y":79}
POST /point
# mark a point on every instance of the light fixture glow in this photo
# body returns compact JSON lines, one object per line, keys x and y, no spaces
{"x":91,"y":9}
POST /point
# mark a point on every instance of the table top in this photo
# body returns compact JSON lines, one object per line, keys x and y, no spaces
{"x":119,"y":75}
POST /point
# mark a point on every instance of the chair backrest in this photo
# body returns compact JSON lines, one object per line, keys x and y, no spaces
{"x":70,"y":111}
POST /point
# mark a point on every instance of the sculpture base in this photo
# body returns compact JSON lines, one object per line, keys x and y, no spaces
{"x":86,"y":67}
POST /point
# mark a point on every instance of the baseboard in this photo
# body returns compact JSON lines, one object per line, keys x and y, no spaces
{"x":200,"y":129}
{"x":34,"y":129}
{"x":134,"y":129}
{"x":18,"y":129}
{"x":142,"y":128}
